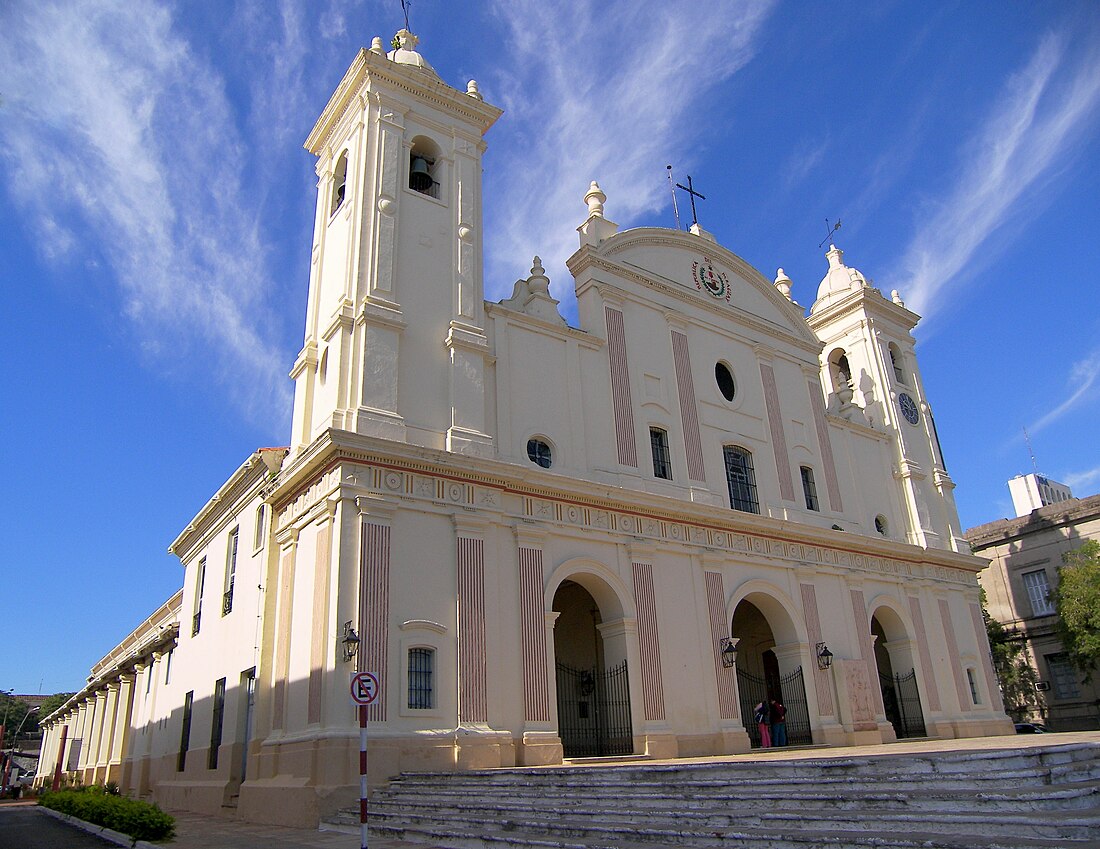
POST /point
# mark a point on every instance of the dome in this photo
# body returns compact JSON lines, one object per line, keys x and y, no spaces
{"x":839,"y":281}
{"x":405,"y":53}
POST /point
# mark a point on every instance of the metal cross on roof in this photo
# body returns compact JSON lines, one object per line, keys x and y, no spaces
{"x":694,"y":194}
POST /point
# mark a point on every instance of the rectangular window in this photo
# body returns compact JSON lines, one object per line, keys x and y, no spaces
{"x":216,"y":724}
{"x":149,"y":677}
{"x":200,"y":584}
{"x":1063,"y":676}
{"x":420,"y":678}
{"x":658,"y":443}
{"x":261,"y":522}
{"x":740,"y":479}
{"x":1038,"y":592}
{"x":168,"y":667}
{"x":973,"y":686}
{"x":185,"y":732}
{"x":230,"y":571}
{"x":808,"y":488}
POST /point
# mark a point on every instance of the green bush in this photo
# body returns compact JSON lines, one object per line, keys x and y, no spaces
{"x":140,"y":820}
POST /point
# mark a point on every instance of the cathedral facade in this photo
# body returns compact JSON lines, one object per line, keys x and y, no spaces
{"x":546,"y":542}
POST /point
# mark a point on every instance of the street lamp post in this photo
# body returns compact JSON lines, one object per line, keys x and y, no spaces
{"x":14,"y":740}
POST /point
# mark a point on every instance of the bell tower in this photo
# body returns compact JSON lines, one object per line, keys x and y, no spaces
{"x":395,"y":343}
{"x":871,"y":375}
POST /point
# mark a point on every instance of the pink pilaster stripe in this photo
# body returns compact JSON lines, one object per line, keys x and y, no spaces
{"x":649,"y":641}
{"x":928,"y":682}
{"x":282,"y":639}
{"x":813,"y":630}
{"x":825,"y":445}
{"x":620,"y":388}
{"x":374,"y":611}
{"x":866,"y":646}
{"x":319,"y":639}
{"x":980,"y":632}
{"x":689,"y":412}
{"x":536,"y":694}
{"x":472,"y":705}
{"x":779,"y":438}
{"x":953,"y":655}
{"x":716,"y":608}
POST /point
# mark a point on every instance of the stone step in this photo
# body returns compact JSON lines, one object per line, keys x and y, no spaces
{"x":1086,"y":798}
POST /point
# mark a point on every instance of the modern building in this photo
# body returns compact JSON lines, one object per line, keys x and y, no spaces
{"x":545,"y":541}
{"x":1030,"y":492}
{"x":1024,"y":556}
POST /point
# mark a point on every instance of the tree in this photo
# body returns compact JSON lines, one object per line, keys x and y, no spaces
{"x":1077,"y":600}
{"x":1015,"y":674}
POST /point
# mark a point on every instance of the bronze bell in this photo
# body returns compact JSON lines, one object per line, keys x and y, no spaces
{"x":420,"y":177}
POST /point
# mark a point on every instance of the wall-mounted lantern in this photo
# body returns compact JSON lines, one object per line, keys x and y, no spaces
{"x":824,"y":656}
{"x":728,"y":652}
{"x":350,"y":642}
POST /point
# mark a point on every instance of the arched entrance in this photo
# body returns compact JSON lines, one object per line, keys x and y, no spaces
{"x":897,"y":674}
{"x":769,"y":666}
{"x":591,"y":671}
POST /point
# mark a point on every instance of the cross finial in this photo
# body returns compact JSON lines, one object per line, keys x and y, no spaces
{"x":690,"y":189}
{"x":405,"y":4}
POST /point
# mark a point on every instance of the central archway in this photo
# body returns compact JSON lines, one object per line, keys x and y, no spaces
{"x":590,"y":652}
{"x":769,"y":666}
{"x":897,"y":673}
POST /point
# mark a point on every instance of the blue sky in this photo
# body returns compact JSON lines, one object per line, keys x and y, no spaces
{"x":156,"y":211}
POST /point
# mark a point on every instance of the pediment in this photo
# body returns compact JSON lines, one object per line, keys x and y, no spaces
{"x":705,"y":272}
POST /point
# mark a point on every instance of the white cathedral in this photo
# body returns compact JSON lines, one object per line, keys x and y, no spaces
{"x":546,"y":542}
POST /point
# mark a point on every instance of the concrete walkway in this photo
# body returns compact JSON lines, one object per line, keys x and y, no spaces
{"x":202,"y":832}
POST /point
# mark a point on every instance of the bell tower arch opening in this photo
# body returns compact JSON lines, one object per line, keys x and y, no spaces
{"x":593,"y":688}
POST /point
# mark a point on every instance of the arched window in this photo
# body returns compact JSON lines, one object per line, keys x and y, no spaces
{"x":339,"y":183}
{"x":839,"y":370}
{"x":740,"y":479}
{"x":881,"y":525}
{"x":425,"y":167}
{"x":896,"y":362}
{"x":258,"y":533}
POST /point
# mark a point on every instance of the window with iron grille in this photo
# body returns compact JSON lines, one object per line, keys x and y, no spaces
{"x":658,"y":443}
{"x":741,"y":479}
{"x":539,"y":453}
{"x":185,"y":732}
{"x":973,"y":686}
{"x":1063,"y":676}
{"x":216,"y":724}
{"x":1038,"y":592}
{"x":420,"y":678}
{"x":808,"y":488}
{"x":230,"y":571}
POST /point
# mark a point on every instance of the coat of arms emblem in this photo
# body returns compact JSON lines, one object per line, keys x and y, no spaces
{"x":710,"y":280}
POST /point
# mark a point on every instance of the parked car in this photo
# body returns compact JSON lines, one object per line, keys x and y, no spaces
{"x":1031,"y":728}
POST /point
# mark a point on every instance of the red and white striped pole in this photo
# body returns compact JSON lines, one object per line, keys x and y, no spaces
{"x":363,"y":776}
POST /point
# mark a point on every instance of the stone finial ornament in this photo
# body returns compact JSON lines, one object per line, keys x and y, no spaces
{"x":896,"y":298}
{"x":376,"y":46}
{"x":783,"y":283}
{"x":473,"y":90}
{"x":405,"y":40}
{"x":595,"y":200}
{"x":538,"y":283}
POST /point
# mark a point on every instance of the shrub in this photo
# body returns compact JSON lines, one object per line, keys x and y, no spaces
{"x":140,"y":820}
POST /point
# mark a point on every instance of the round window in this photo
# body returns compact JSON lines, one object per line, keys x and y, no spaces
{"x":724,"y":377}
{"x":538,"y":452}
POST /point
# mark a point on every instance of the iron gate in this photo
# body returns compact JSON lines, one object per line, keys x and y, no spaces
{"x":901,"y":702}
{"x":594,"y":712}
{"x":789,"y":692}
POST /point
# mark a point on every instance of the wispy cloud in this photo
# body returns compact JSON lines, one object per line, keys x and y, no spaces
{"x":1080,"y":480}
{"x":1082,"y":378}
{"x":117,"y":134}
{"x":1028,"y":136}
{"x":610,"y":96}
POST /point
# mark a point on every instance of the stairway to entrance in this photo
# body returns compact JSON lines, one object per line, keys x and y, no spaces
{"x":1040,"y":796}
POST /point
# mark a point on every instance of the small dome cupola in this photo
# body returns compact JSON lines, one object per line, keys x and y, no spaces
{"x":404,"y":52}
{"x":839,"y":281}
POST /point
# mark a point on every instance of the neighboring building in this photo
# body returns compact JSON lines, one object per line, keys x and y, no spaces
{"x":1030,"y":492}
{"x":1024,"y":556}
{"x":546,"y":541}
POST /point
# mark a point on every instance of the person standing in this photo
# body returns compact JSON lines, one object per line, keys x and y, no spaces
{"x":778,"y":717}
{"x":762,"y":717}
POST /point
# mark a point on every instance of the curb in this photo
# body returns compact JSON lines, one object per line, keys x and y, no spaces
{"x":116,"y":837}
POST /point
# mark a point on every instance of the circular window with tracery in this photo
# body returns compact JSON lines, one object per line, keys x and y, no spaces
{"x":538,"y":452}
{"x":724,"y":378}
